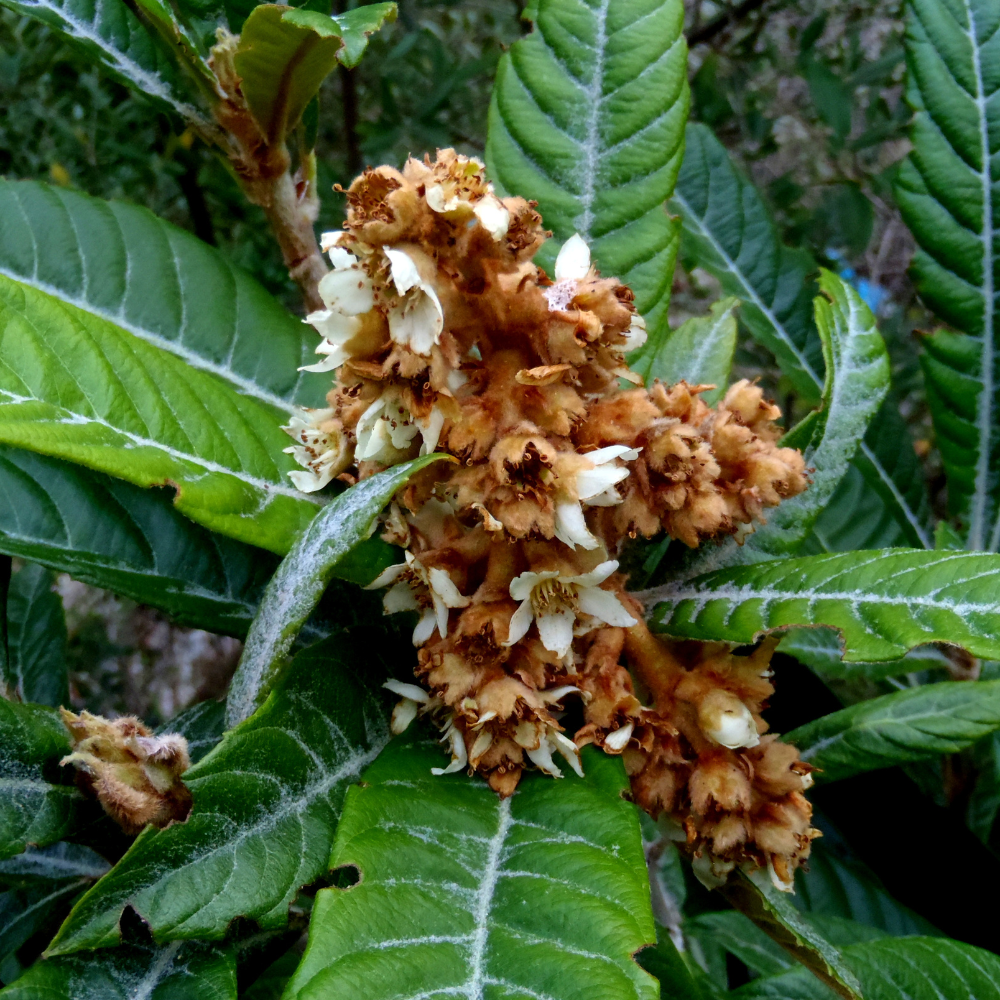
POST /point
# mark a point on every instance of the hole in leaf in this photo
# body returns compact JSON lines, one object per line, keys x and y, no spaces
{"x":345,"y":877}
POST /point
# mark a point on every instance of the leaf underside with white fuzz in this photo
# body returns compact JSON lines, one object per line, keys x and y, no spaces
{"x":883,"y":602}
{"x":948,"y":191}
{"x":77,"y":386}
{"x":277,"y":780}
{"x":587,"y":118}
{"x":36,"y":639}
{"x":729,"y":231}
{"x":773,"y":912}
{"x":541,"y":894}
{"x":857,"y":378}
{"x":298,"y":585}
{"x":904,"y":726}
{"x":61,"y":862}
{"x":177,"y":971}
{"x":111,"y":36}
{"x":915,"y":968}
{"x":699,"y":352}
{"x":33,"y":810}
{"x":161,"y":284}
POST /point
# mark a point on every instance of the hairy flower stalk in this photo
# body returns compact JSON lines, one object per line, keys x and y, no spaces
{"x":445,"y":336}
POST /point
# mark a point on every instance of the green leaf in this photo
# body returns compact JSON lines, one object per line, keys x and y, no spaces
{"x":201,"y":725}
{"x":742,"y":938}
{"x":285,"y":54}
{"x":904,"y":726}
{"x":679,"y":976}
{"x":77,"y":386}
{"x":161,"y":284}
{"x":297,"y":586}
{"x":112,"y":37}
{"x":265,"y":804}
{"x":34,"y":807}
{"x":193,"y":971}
{"x":114,"y":535}
{"x":699,"y":351}
{"x":892,"y":969}
{"x":948,"y":191}
{"x":883,"y":602}
{"x":984,"y":800}
{"x":857,"y":378}
{"x":36,"y":639}
{"x":587,"y":118}
{"x":839,"y":886}
{"x":820,"y":650}
{"x":541,"y":894}
{"x":729,"y":231}
{"x":773,"y":912}
{"x":270,"y":985}
{"x":61,"y":862}
{"x":26,"y":911}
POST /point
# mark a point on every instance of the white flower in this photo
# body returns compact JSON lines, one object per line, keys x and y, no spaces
{"x":413,"y":699}
{"x":386,"y":431}
{"x":553,"y":601}
{"x":417,"y":588}
{"x":347,"y":293}
{"x":726,"y":720}
{"x":417,"y":319}
{"x":539,"y":741}
{"x":459,"y":757}
{"x":324,"y":453}
{"x":572,"y":266}
{"x":595,"y":487}
{"x":636,"y":335}
{"x":492,"y":215}
{"x":618,"y":740}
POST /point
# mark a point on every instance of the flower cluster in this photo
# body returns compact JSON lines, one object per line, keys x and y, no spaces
{"x":445,"y":336}
{"x":135,"y":774}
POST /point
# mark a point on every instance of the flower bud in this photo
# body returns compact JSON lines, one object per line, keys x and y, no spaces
{"x":726,"y":720}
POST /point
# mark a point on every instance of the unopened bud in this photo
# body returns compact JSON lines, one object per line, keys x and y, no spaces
{"x":726,"y":720}
{"x":135,"y":775}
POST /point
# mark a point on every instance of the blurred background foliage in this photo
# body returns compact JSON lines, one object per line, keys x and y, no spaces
{"x":806,"y":94}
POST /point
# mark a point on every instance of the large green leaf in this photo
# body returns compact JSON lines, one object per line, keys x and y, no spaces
{"x":462,"y":893}
{"x":906,"y":725}
{"x":699,"y":351}
{"x":729,"y":231}
{"x":949,"y":193}
{"x":883,"y":602}
{"x":34,"y":807}
{"x":820,"y":650}
{"x":25,"y":911}
{"x":161,"y":284}
{"x":61,"y":862}
{"x":587,"y":118}
{"x":298,"y":585}
{"x":857,"y":378}
{"x":892,"y":969}
{"x":839,"y":886}
{"x":36,"y":639}
{"x":285,"y":54}
{"x":112,"y":534}
{"x":177,"y":971}
{"x":114,"y":38}
{"x":266,"y":802}
{"x":77,"y":386}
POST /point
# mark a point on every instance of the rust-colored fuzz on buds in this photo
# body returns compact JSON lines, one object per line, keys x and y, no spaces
{"x":446,"y":337}
{"x":135,"y":775}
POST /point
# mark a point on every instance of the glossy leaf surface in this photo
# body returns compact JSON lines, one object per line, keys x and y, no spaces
{"x":883,"y":602}
{"x":266,"y":803}
{"x":541,"y":894}
{"x":587,"y":118}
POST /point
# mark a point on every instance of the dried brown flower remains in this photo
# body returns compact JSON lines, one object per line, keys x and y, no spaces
{"x":445,"y":336}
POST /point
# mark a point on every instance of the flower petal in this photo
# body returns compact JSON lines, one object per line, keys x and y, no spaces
{"x":593,"y":482}
{"x":308,"y":482}
{"x":569,"y":750}
{"x":411,"y":691}
{"x":425,"y":627}
{"x":636,"y":335}
{"x":520,"y":622}
{"x":443,"y":585}
{"x":404,"y":271}
{"x":400,"y":597}
{"x":348,"y":290}
{"x":389,"y":575}
{"x":597,"y":575}
{"x":555,"y":629}
{"x":618,"y":740}
{"x":492,"y":215}
{"x":430,"y":430}
{"x":417,"y":321}
{"x":542,"y":758}
{"x":403,"y":713}
{"x":612,"y":452}
{"x":571,"y":526}
{"x":523,"y":584}
{"x":573,"y":260}
{"x":604,"y":605}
